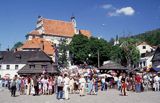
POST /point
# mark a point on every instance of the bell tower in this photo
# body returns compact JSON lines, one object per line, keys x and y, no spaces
{"x":73,"y":20}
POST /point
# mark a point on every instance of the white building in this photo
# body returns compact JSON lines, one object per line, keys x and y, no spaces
{"x":146,"y":55}
{"x":56,"y":30}
{"x":12,"y":61}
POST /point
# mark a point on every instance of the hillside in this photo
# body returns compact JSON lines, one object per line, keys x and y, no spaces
{"x":151,"y":37}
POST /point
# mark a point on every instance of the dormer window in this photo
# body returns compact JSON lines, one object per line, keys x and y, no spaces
{"x":44,"y":66}
{"x":144,"y":47}
{"x":16,"y":67}
{"x":1,"y":57}
{"x":8,"y":67}
{"x":32,"y":66}
{"x":18,"y":56}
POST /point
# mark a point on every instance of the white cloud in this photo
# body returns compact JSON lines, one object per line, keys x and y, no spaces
{"x":128,"y":11}
{"x":107,"y":6}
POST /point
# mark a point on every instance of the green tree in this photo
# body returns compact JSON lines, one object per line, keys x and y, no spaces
{"x":100,"y":46}
{"x":79,"y":48}
{"x":130,"y":51}
{"x":17,"y":45}
{"x":62,"y":53}
{"x":85,"y":49}
{"x":116,"y":54}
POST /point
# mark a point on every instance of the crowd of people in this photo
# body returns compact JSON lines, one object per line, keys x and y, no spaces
{"x":83,"y":82}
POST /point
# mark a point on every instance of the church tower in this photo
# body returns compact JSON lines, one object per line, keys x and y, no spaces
{"x":75,"y":25}
{"x":116,"y":41}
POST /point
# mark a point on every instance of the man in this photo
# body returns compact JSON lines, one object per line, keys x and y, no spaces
{"x":13,"y":87}
{"x":60,"y":87}
{"x":103,"y":84}
{"x":66,"y":86}
{"x":35,"y":83}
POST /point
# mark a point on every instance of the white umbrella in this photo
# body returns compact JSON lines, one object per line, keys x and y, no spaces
{"x":104,"y":75}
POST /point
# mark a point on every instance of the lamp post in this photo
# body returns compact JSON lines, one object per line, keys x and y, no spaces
{"x":98,"y":59}
{"x":98,"y":55}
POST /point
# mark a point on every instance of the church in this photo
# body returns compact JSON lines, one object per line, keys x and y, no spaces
{"x":55,"y":30}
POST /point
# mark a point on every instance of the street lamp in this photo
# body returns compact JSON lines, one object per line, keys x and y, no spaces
{"x":98,"y":59}
{"x":89,"y":55}
{"x":98,"y":54}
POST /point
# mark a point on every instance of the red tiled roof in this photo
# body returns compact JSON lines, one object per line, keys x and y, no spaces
{"x":34,"y":32}
{"x":57,"y":27}
{"x":85,"y":33}
{"x":38,"y":43}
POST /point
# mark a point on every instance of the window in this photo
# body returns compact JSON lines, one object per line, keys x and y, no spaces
{"x":8,"y":67}
{"x":44,"y":66}
{"x":31,"y":66}
{"x":143,"y":55}
{"x":16,"y":67}
{"x":0,"y":66}
{"x":144,"y":47}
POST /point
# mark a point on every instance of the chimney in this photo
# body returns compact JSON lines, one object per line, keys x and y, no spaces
{"x":15,"y":50}
{"x":42,"y":45}
{"x":7,"y":49}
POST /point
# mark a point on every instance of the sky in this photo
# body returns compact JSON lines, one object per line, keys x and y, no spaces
{"x":104,"y":18}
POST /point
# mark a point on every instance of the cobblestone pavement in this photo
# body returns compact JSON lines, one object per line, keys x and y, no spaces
{"x":110,"y":96}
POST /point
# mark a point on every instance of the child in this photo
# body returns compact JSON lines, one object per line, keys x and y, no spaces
{"x":124,"y":85}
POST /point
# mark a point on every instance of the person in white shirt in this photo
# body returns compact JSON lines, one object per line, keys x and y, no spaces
{"x":156,"y":83}
{"x":82,"y":82}
{"x":103,"y":84}
{"x":45,"y":85}
{"x":60,"y":87}
{"x":71,"y":85}
{"x":66,"y":86}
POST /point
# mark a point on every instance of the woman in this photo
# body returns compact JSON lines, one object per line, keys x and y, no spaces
{"x":28,"y":85}
{"x":22,"y":86}
{"x":124,"y":86}
{"x":50,"y":84}
{"x":82,"y":82}
{"x":89,"y":86}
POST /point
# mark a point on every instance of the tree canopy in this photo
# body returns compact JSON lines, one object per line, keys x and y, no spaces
{"x":62,"y":56}
{"x":84,"y":49}
{"x":17,"y":45}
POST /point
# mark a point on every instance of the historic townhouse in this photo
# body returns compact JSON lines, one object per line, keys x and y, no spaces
{"x":29,"y":61}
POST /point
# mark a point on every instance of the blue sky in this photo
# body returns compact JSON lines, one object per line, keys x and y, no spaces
{"x":104,"y":18}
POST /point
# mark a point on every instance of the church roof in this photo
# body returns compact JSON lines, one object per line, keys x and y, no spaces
{"x":58,"y":28}
{"x":34,"y":32}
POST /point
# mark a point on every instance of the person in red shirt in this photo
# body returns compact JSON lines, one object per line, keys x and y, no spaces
{"x":123,"y":85}
{"x":138,"y":81}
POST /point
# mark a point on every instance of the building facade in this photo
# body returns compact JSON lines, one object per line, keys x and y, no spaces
{"x":146,"y":55}
{"x":13,"y":61}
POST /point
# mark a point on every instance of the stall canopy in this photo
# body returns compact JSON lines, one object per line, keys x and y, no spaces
{"x":111,"y":65}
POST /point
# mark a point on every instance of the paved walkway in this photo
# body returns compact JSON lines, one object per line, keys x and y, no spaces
{"x":111,"y":96}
